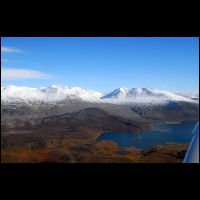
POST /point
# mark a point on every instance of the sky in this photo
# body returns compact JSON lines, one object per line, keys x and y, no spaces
{"x":101,"y":63}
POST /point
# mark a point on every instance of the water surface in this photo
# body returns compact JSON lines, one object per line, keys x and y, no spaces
{"x":176,"y":133}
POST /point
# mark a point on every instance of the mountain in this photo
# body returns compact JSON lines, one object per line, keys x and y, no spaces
{"x":144,"y":95}
{"x":47,"y":94}
{"x":62,"y":93}
{"x":26,"y":107}
{"x":154,"y":104}
{"x":22,"y":106}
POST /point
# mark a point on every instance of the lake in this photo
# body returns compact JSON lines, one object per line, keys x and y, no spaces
{"x":176,"y":133}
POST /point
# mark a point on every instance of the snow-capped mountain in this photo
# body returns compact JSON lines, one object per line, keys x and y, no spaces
{"x":141,"y":95}
{"x":119,"y":96}
{"x":47,"y":94}
{"x":22,"y":105}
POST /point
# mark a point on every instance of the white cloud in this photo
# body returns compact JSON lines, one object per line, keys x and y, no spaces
{"x":10,"y":50}
{"x":12,"y":73}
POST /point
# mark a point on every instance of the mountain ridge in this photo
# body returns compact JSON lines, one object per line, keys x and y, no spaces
{"x":59,"y":93}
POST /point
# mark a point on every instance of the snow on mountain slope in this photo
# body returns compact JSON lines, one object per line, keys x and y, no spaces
{"x":47,"y":94}
{"x":143,"y":95}
{"x":119,"y":96}
{"x":191,"y":95}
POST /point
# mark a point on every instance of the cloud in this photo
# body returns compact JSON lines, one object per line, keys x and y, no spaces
{"x":10,"y":50}
{"x":12,"y":73}
{"x":15,"y":61}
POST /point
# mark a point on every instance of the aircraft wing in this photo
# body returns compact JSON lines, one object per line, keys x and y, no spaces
{"x":192,"y":155}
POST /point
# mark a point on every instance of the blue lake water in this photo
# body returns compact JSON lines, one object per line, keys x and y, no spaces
{"x":176,"y":133}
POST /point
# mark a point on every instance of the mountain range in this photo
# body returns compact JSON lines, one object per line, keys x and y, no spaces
{"x":34,"y":107}
{"x":121,"y":95}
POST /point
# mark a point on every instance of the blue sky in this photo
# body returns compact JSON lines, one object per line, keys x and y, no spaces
{"x":101,"y":63}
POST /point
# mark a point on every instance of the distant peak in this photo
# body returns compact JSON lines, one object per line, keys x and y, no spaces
{"x":53,"y":86}
{"x":122,"y":89}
